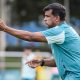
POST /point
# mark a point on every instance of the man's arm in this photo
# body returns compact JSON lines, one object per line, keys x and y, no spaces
{"x":47,"y":62}
{"x":25,"y":35}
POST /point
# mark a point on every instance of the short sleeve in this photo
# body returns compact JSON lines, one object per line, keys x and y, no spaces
{"x":54,"y":35}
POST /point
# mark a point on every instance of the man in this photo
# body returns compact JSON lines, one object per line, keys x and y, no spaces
{"x":64,"y":41}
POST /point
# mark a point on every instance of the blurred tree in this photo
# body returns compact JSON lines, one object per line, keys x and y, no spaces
{"x":29,"y":10}
{"x":74,"y":8}
{"x":25,"y":10}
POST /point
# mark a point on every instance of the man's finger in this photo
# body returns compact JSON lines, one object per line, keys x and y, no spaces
{"x":28,"y":62}
{"x":31,"y":61}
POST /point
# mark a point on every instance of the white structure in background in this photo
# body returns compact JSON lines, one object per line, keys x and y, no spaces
{"x":10,"y":74}
{"x":15,"y":74}
{"x":3,"y":16}
{"x":66,"y":4}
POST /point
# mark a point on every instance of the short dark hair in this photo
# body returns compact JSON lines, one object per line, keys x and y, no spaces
{"x":57,"y":10}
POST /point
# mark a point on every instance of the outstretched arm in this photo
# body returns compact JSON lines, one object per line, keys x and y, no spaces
{"x":47,"y":62}
{"x":25,"y":35}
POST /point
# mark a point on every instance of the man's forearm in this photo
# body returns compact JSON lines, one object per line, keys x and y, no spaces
{"x":18,"y":33}
{"x":25,"y":35}
{"x":49,"y":62}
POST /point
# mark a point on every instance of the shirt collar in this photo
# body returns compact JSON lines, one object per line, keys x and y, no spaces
{"x":63,"y":22}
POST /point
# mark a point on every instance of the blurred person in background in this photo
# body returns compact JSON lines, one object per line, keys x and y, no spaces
{"x":28,"y":73}
{"x":64,"y":41}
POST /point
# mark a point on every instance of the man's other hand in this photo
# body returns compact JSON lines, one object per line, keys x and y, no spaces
{"x":34,"y":63}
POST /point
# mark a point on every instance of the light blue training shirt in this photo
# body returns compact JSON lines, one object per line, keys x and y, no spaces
{"x":65,"y":45}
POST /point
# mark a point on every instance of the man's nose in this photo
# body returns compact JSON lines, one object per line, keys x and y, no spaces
{"x":44,"y":19}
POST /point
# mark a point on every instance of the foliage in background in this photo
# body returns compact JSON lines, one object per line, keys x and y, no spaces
{"x":28,"y":10}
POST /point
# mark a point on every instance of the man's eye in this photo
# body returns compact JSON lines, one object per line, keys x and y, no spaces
{"x":47,"y":16}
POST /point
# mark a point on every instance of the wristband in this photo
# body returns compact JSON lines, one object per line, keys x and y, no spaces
{"x":42,"y":62}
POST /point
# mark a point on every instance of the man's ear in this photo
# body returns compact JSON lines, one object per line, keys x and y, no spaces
{"x":57,"y":18}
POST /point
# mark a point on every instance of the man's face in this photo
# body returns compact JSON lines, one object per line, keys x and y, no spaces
{"x":49,"y":19}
